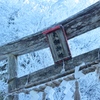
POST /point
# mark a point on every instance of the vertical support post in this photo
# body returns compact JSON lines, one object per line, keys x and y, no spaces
{"x":12,"y":75}
{"x":77,"y":93}
{"x":44,"y":96}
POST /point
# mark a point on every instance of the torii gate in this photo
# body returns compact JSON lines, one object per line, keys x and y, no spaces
{"x":86,"y":20}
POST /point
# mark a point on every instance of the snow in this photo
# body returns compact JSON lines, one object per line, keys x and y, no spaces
{"x":34,"y":95}
{"x":19,"y":18}
{"x":66,"y":85}
{"x":85,"y":43}
{"x":78,"y":74}
{"x":23,"y":96}
{"x":49,"y":92}
{"x":90,"y":87}
{"x":63,"y":69}
{"x":34,"y":61}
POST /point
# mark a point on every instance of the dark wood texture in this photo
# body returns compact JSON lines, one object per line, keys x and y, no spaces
{"x":77,"y":24}
{"x":58,"y":45}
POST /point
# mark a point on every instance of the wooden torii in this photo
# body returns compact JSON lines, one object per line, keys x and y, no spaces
{"x":86,"y":20}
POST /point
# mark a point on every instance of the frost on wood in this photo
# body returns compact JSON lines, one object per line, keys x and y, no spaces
{"x":78,"y":74}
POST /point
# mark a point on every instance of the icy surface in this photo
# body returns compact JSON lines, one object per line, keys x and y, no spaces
{"x":19,"y":18}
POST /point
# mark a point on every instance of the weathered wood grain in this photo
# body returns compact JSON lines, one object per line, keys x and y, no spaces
{"x":53,"y":72}
{"x":28,"y":44}
{"x":84,"y":21}
{"x":77,"y":24}
{"x":12,"y":74}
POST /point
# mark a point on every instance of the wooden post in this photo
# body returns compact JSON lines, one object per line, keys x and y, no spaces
{"x":12,"y":76}
{"x":44,"y":96}
{"x":77,"y":94}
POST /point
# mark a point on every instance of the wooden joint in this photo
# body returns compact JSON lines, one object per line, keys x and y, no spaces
{"x":13,"y":79}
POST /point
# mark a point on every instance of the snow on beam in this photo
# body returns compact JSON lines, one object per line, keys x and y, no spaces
{"x":77,"y":24}
{"x":53,"y":72}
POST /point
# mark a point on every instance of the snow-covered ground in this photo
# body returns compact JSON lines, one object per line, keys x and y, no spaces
{"x":19,"y":18}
